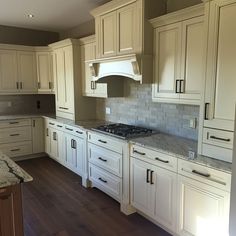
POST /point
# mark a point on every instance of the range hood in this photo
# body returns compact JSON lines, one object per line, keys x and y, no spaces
{"x":131,"y":66}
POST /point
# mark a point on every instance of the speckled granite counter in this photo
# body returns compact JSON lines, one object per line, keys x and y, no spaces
{"x":25,"y":116}
{"x":11,"y":173}
{"x":180,"y":148}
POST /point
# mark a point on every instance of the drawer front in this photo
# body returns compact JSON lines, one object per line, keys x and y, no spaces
{"x":75,"y":131}
{"x":157,"y":158}
{"x":16,"y":149}
{"x":15,"y":134}
{"x":105,"y":181}
{"x":218,"y":138}
{"x":108,"y":160}
{"x":15,"y":123}
{"x":105,"y":142}
{"x":54,"y":124}
{"x":204,"y":174}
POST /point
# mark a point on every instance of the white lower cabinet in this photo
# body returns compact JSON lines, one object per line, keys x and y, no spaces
{"x":153,"y":192}
{"x":38,"y":135}
{"x":57,"y":145}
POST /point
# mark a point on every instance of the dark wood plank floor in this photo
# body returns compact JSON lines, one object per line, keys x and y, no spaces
{"x":56,"y":204}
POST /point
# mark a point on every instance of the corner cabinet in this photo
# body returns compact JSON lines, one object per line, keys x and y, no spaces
{"x":122,"y":28}
{"x":88,"y":52}
{"x":178,"y":56}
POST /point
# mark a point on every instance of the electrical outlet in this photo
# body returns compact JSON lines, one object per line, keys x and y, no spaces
{"x":108,"y":110}
{"x":191,"y":155}
{"x":38,"y":105}
{"x":193,"y":123}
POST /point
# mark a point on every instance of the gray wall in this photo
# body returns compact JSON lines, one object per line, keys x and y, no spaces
{"x":138,"y":109}
{"x":14,"y":35}
{"x":26,"y":104}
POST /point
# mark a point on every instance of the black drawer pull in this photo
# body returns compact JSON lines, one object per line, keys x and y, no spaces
{"x":64,"y":108}
{"x":69,"y":129}
{"x":102,"y":141}
{"x":104,"y":160}
{"x":152,"y":177}
{"x":79,"y":132}
{"x":221,"y":139}
{"x":158,"y":159}
{"x":147,"y":176}
{"x":15,"y":150}
{"x":206,"y":111}
{"x":101,"y":179}
{"x":50,"y":123}
{"x":140,"y":153}
{"x":12,"y":135}
{"x":201,"y":174}
{"x":13,"y":122}
{"x":60,"y":126}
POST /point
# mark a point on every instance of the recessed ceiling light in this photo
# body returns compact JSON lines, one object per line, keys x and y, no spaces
{"x":30,"y":15}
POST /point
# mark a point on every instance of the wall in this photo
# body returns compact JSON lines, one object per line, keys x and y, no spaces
{"x":174,"y":5}
{"x":14,"y":35}
{"x":138,"y":109}
{"x":26,"y":104}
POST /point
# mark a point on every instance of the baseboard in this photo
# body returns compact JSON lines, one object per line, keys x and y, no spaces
{"x":32,"y":156}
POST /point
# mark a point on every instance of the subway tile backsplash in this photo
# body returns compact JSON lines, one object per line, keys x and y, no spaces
{"x":138,"y":109}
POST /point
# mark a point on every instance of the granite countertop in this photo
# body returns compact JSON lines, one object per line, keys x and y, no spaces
{"x":25,"y":116}
{"x":11,"y":173}
{"x":180,"y":148}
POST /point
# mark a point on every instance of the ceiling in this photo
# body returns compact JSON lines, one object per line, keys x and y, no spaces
{"x":52,"y":15}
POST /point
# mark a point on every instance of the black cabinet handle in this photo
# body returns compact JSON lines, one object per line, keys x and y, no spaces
{"x":17,"y":85}
{"x":59,"y":126}
{"x":182,"y":88}
{"x":72,"y":143}
{"x":158,"y":159}
{"x":147,"y":176}
{"x":102,"y":141}
{"x":101,"y":179}
{"x":13,"y":122}
{"x":206,"y":111}
{"x":64,"y":108}
{"x":140,"y":153}
{"x":201,"y":174}
{"x":21,"y":85}
{"x":177,"y":87}
{"x":221,"y":139}
{"x":47,"y":132}
{"x":69,"y":129}
{"x":50,"y":85}
{"x":101,"y":159}
{"x":152,"y":177}
{"x":12,"y":135}
{"x":79,"y":132}
{"x":33,"y":123}
{"x":54,"y":136}
{"x":15,"y":150}
{"x":50,"y":123}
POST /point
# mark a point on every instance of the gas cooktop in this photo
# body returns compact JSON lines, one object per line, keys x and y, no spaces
{"x":123,"y":131}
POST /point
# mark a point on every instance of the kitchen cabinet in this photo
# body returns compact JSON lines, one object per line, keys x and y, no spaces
{"x":153,"y":189}
{"x":122,"y":27}
{"x":11,"y":217}
{"x":203,"y":200}
{"x":8,"y":71}
{"x":178,"y":53}
{"x":57,"y":145}
{"x":27,"y":72}
{"x":44,"y":61}
{"x":88,"y":52}
{"x":38,"y":135}
{"x":47,"y":137}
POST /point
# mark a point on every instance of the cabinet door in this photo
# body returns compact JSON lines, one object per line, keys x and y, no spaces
{"x":80,"y":157}
{"x":203,"y":210}
{"x":11,"y":217}
{"x":167,"y":61}
{"x":27,"y":75}
{"x":221,"y":67}
{"x":192,"y":60}
{"x":141,"y":190}
{"x":108,"y":34}
{"x":47,"y":140}
{"x":57,"y":145}
{"x":8,"y":72}
{"x":165,"y":197}
{"x":38,"y":135}
{"x":44,"y":72}
{"x":127,"y":27}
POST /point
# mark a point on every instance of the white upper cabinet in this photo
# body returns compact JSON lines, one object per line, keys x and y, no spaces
{"x":44,"y":72}
{"x":178,"y":56}
{"x":122,"y":27}
{"x":27,"y":72}
{"x":8,"y":71}
{"x":220,"y":95}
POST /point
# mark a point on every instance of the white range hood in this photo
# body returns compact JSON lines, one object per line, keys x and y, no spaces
{"x":130,"y":66}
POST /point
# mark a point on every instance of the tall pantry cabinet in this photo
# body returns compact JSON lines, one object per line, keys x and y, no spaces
{"x":70,"y":103}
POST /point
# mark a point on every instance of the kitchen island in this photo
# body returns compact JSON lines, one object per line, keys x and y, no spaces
{"x":11,"y":178}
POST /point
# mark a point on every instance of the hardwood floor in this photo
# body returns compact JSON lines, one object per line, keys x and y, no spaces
{"x":56,"y":204}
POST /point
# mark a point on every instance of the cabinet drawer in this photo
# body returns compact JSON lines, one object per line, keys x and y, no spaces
{"x":218,"y":138}
{"x":157,"y":158}
{"x":204,"y":174}
{"x":15,"y":134}
{"x":15,"y":123}
{"x":108,"y":160}
{"x":105,"y":181}
{"x":16,"y":149}
{"x":75,"y":131}
{"x":55,"y":124}
{"x":105,"y":142}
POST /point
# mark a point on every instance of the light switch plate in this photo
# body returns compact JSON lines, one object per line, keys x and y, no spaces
{"x":108,"y":110}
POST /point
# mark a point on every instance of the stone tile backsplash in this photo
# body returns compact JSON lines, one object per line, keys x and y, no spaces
{"x":138,"y":109}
